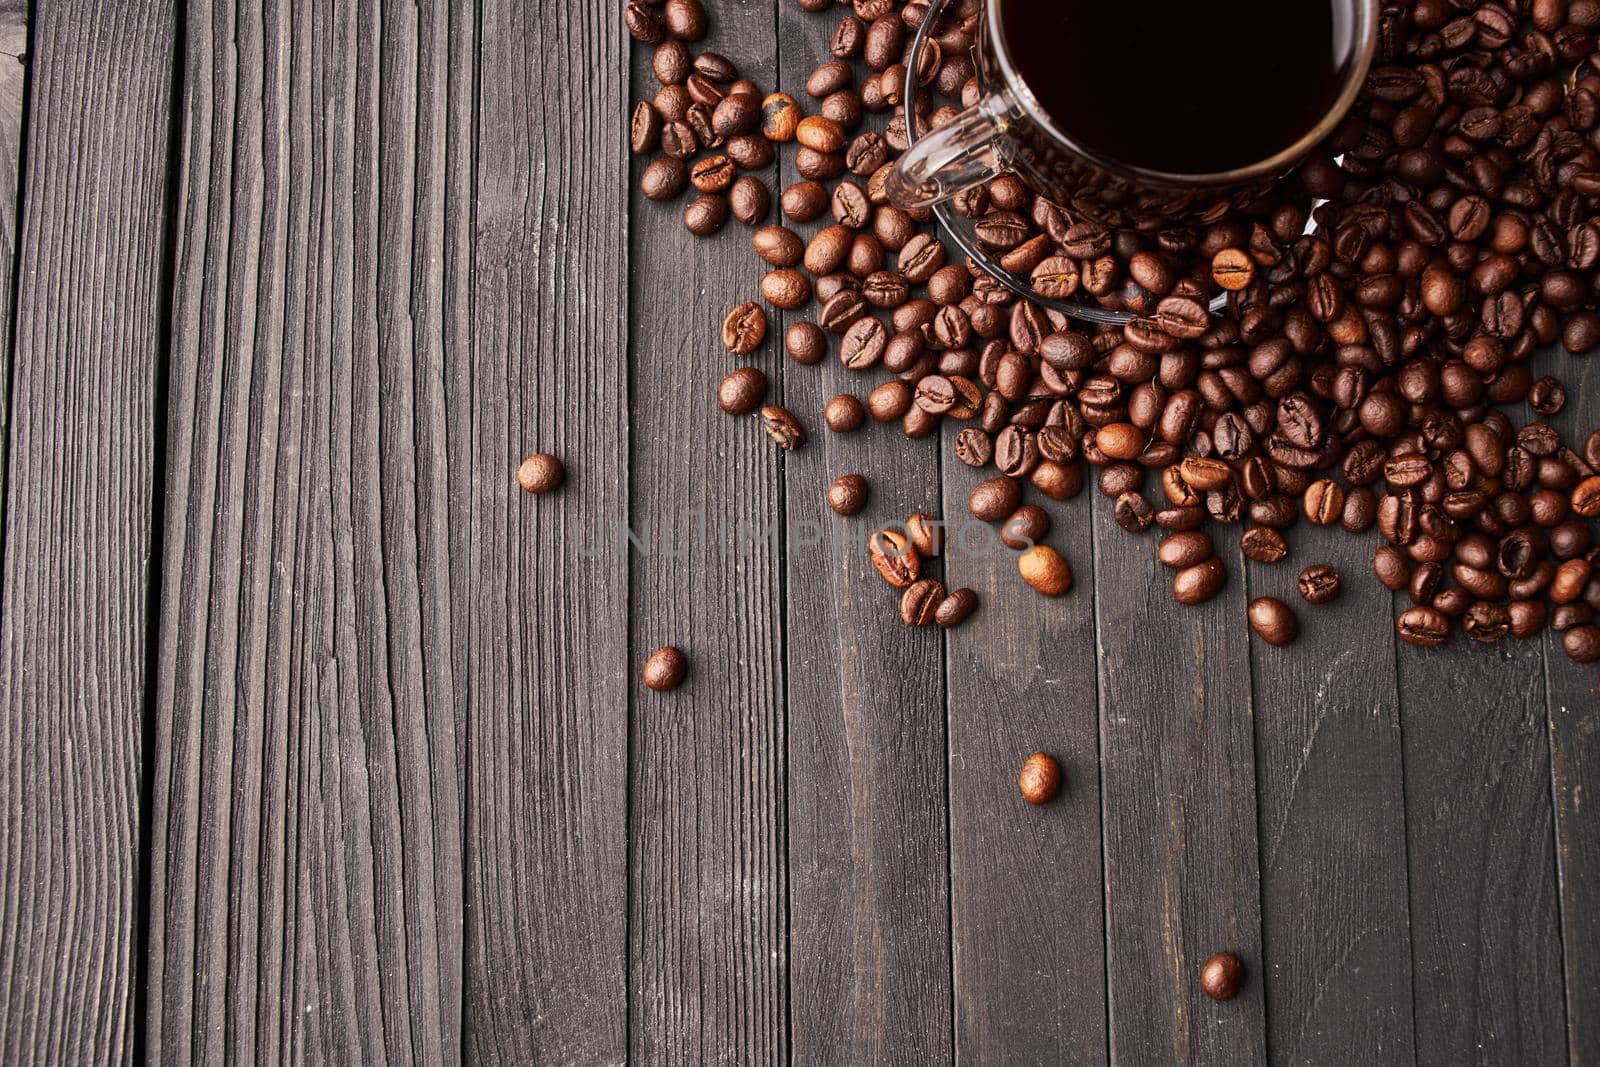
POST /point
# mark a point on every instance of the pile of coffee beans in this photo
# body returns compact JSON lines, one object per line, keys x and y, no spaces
{"x":1383,"y":310}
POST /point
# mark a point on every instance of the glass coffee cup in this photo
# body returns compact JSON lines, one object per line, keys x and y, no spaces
{"x":1241,"y":93}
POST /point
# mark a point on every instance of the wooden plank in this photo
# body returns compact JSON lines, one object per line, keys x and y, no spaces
{"x":1027,"y":883}
{"x":707,"y":940}
{"x":1485,"y":941}
{"x":547,"y":596}
{"x":866,"y":736}
{"x":306,"y":877}
{"x":1335,"y":919}
{"x":79,"y":519}
{"x":1575,"y":761}
{"x":1177,"y":783}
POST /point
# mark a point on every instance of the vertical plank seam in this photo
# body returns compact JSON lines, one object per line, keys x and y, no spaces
{"x":1255,"y":776}
{"x":158,"y":478}
{"x":1555,"y":848}
{"x":1405,"y":817}
{"x":465,"y":742}
{"x":787,"y":1050}
{"x":629,"y":980}
{"x":1100,"y":776}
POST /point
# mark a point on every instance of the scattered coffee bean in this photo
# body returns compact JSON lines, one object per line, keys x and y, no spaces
{"x":784,"y":429}
{"x":848,"y":494}
{"x":994,"y":499}
{"x":705,"y":214}
{"x":744,"y":328}
{"x":956,"y":609}
{"x":1263,"y":544}
{"x":1319,"y":584}
{"x":1027,"y":526}
{"x":1040,"y":780}
{"x":844,"y":414}
{"x":919,"y":604}
{"x":1199,"y":583}
{"x":894,"y":557}
{"x":1184,"y":549}
{"x":665,"y":669}
{"x":1222,"y":976}
{"x":1273,"y":621}
{"x":1043,"y":568}
{"x":926,"y":533}
{"x":741,"y":392}
{"x":540,"y":473}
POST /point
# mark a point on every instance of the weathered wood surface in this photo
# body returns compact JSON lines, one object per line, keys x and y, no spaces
{"x":1178,"y":797}
{"x":374,"y":715}
{"x":708,"y":948}
{"x":868,"y":834}
{"x":544,"y":615}
{"x":1331,"y":790}
{"x":83,"y":356}
{"x":306,"y":889}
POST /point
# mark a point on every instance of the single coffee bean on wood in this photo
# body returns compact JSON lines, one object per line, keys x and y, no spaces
{"x":1040,"y":780}
{"x":848,"y":494}
{"x":540,"y":473}
{"x":665,"y":669}
{"x":1222,"y":976}
{"x":1273,"y":621}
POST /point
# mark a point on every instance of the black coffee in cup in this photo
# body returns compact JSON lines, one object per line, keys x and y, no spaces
{"x":1182,"y":86}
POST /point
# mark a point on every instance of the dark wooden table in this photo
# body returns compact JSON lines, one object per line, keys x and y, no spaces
{"x":320,"y":741}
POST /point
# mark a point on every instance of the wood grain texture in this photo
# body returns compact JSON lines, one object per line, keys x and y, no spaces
{"x":1484,"y":931}
{"x":868,"y":866}
{"x":1178,"y":792}
{"x":306,"y":878}
{"x":1027,"y":883}
{"x":79,"y":523}
{"x":1331,"y":789}
{"x":707,"y":937}
{"x":547,"y":671}
{"x":1574,"y":730}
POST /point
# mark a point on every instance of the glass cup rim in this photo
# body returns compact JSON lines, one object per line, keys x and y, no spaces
{"x":1355,"y":77}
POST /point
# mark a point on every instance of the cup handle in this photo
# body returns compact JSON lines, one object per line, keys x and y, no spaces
{"x":956,"y":156}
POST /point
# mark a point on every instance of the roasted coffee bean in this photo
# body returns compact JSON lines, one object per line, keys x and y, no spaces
{"x":1027,"y":526}
{"x":1132,"y":512}
{"x":974,"y":447}
{"x":784,"y":429}
{"x":1199,"y":583}
{"x":920,"y":602}
{"x":1273,"y":621}
{"x":1582,"y":643}
{"x":926,"y":533}
{"x":1045,"y":571}
{"x":844,"y":414}
{"x":742,"y":391}
{"x":956,"y":609}
{"x":1391,"y":567}
{"x":1040,"y":780}
{"x":786,"y":288}
{"x":1424,"y":627}
{"x":744,"y":329}
{"x":804,"y":201}
{"x":665,"y":669}
{"x":1221,"y":976}
{"x":664,"y":178}
{"x":994,"y":499}
{"x":749,"y":200}
{"x":890,"y":401}
{"x":1263,"y":544}
{"x":805,"y":342}
{"x":1184,"y":549}
{"x":541,"y":473}
{"x":893,"y":556}
{"x":1324,"y":502}
{"x":705,"y":214}
{"x":848,"y":494}
{"x":1319,"y":584}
